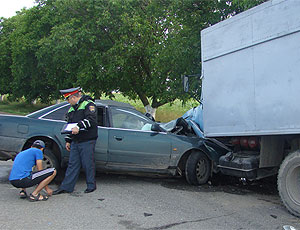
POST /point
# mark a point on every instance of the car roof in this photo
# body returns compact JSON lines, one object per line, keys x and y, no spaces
{"x":113,"y":103}
{"x":105,"y":103}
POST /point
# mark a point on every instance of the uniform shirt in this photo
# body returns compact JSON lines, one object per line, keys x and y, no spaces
{"x":84,"y":113}
{"x":24,"y":162}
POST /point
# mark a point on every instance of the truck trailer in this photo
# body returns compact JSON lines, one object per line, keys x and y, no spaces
{"x":251,"y":92}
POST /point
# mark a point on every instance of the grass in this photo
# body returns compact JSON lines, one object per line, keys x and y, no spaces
{"x":19,"y":108}
{"x":164,"y":113}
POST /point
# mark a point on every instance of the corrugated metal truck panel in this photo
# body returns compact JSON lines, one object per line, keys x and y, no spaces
{"x":251,"y":72}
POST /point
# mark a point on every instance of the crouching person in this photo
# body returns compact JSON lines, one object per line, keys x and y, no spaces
{"x":21,"y":175}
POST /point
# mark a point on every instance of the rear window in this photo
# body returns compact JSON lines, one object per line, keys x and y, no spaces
{"x":58,"y":115}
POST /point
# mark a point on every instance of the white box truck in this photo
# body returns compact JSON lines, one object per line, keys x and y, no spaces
{"x":251,"y":94}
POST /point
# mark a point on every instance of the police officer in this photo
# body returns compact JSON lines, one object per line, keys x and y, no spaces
{"x":81,"y":141}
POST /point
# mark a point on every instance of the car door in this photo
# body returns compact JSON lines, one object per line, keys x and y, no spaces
{"x":102,"y":141}
{"x":58,"y":118}
{"x":59,"y":115}
{"x":132,"y":143}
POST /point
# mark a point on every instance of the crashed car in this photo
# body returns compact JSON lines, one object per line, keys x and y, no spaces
{"x":128,"y":142}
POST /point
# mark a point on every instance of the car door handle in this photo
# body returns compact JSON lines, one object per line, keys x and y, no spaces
{"x":118,"y":138}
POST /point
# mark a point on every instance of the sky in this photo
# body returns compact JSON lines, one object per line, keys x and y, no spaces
{"x":8,"y":8}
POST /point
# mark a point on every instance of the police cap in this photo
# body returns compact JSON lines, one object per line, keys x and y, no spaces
{"x":68,"y":92}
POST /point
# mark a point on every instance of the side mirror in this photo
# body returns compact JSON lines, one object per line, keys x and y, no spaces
{"x":185,"y":80}
{"x":156,"y":128}
{"x":149,"y":116}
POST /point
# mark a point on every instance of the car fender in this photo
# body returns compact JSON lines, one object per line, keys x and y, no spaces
{"x":49,"y":140}
{"x":197,"y":144}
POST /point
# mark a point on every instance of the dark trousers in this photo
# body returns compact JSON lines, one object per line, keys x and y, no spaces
{"x":33,"y":179}
{"x":81,"y":155}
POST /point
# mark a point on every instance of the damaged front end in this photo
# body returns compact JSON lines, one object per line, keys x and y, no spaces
{"x":181,"y":126}
{"x":191,"y":125}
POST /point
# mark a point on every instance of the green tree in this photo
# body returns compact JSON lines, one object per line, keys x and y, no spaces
{"x":140,"y":48}
{"x":6,"y":28}
{"x":30,"y":79}
{"x":20,"y":69}
{"x":137,"y":47}
{"x":242,"y":5}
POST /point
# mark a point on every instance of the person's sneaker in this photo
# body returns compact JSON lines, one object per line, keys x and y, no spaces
{"x":89,"y":190}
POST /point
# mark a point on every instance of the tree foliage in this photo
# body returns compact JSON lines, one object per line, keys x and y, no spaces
{"x":140,"y":48}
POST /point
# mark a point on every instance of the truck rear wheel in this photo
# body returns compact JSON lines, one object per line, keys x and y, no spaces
{"x":197,"y":168}
{"x":289,"y":183}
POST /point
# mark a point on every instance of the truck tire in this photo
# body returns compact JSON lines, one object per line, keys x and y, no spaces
{"x":289,"y":183}
{"x":197,"y":168}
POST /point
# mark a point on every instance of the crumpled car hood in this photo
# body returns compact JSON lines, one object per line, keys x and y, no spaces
{"x":195,"y":114}
{"x":183,"y":126}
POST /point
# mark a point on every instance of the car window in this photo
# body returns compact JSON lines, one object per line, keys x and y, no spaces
{"x":130,"y":119}
{"x":59,"y":114}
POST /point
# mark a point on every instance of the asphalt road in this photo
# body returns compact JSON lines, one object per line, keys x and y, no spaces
{"x":143,"y":203}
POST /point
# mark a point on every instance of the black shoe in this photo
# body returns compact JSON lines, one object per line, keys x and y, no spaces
{"x":88,"y":190}
{"x":59,"y":191}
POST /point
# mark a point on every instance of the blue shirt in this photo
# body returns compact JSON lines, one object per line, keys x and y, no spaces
{"x":24,"y":162}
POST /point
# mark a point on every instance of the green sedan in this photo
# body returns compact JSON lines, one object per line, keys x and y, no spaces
{"x":128,"y":142}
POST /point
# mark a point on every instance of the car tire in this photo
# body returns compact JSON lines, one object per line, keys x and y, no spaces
{"x":197,"y":168}
{"x":50,"y":161}
{"x":288,"y":183}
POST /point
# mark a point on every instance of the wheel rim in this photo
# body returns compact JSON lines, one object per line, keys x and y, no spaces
{"x":293,"y":184}
{"x":47,"y":163}
{"x":201,"y":169}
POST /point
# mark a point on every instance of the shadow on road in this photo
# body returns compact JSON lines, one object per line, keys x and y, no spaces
{"x":219,"y":183}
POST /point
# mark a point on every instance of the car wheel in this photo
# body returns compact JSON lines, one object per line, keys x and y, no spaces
{"x":289,"y":184}
{"x":197,"y":168}
{"x":49,"y":160}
